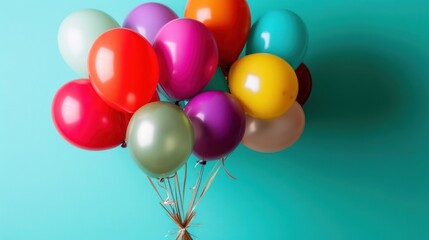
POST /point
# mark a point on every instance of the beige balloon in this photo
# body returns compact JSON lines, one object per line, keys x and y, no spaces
{"x":273,"y":135}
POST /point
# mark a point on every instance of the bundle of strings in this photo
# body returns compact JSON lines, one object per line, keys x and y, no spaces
{"x":175,"y":196}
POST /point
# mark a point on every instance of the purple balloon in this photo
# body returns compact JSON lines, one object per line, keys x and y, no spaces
{"x":148,"y":18}
{"x":219,"y":123}
{"x":188,"y":57}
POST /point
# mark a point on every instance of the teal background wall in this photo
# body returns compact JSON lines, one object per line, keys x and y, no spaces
{"x":360,"y":171}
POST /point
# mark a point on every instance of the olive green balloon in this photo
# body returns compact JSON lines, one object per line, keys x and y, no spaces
{"x":160,"y":138}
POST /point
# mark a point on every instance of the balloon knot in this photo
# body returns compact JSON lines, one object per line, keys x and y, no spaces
{"x":124,"y":144}
{"x":202,"y":162}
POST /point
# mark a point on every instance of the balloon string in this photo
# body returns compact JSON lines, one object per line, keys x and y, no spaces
{"x":226,"y":170}
{"x":199,"y":162}
{"x":177,"y":189}
{"x":175,"y":197}
{"x":167,"y":200}
{"x":175,"y":193}
{"x":184,"y":187}
{"x":208,"y":183}
{"x":195,"y":191}
{"x":154,"y":187}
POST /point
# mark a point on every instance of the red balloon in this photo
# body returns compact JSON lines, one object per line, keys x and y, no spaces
{"x":124,"y":69}
{"x":84,"y":119}
{"x":304,"y":82}
{"x":228,"y":21}
{"x":128,"y":116}
{"x":155,"y":98}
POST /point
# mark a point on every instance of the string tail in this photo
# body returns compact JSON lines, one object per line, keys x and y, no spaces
{"x":226,"y":170}
{"x":172,"y":195}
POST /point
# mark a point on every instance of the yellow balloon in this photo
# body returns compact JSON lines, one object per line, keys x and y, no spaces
{"x":265,"y":84}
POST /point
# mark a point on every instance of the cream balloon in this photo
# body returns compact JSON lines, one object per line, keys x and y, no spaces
{"x":77,"y":33}
{"x":273,"y":135}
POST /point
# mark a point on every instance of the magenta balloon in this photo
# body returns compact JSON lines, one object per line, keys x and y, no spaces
{"x":148,"y":18}
{"x":188,"y":57}
{"x":219,"y":123}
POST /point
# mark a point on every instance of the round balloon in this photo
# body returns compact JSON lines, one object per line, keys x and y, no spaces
{"x":282,"y":33}
{"x":305,"y":83}
{"x":265,"y":84}
{"x":187,"y":56}
{"x":123,"y":69}
{"x":219,"y":123}
{"x":160,"y":138}
{"x":78,"y":32}
{"x":84,"y":119}
{"x":229,"y":21}
{"x":276,"y":134}
{"x":148,"y":18}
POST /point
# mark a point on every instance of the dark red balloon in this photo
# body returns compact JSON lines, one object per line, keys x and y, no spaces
{"x":84,"y":119}
{"x":304,"y":82}
{"x":124,"y":69}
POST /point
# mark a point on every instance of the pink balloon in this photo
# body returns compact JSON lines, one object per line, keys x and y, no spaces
{"x":188,"y":57}
{"x":277,"y":134}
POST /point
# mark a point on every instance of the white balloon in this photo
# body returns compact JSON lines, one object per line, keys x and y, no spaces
{"x":77,"y":33}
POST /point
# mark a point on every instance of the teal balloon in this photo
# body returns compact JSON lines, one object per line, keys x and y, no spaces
{"x":160,"y":139}
{"x":218,"y":82}
{"x":281,"y":33}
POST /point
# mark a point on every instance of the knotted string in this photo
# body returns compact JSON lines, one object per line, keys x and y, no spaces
{"x":175,"y":194}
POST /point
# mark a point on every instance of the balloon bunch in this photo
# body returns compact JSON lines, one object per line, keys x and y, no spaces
{"x":212,"y":100}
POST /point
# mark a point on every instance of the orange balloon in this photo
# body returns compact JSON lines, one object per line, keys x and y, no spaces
{"x":228,"y":21}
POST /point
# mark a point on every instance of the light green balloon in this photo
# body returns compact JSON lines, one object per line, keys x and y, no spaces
{"x":160,"y":138}
{"x":77,"y":33}
{"x":218,"y":82}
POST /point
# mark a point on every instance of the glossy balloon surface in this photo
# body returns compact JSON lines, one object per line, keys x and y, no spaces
{"x":148,"y":18}
{"x":265,"y":84}
{"x":188,"y":58}
{"x":281,"y":33}
{"x":77,"y":33}
{"x":128,"y":116}
{"x":84,"y":119}
{"x":276,"y":134}
{"x":228,"y":20}
{"x":219,"y":123}
{"x":123,"y":69}
{"x":160,"y":139}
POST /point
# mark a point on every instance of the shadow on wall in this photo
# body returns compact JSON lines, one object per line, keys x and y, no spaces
{"x":358,"y":91}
